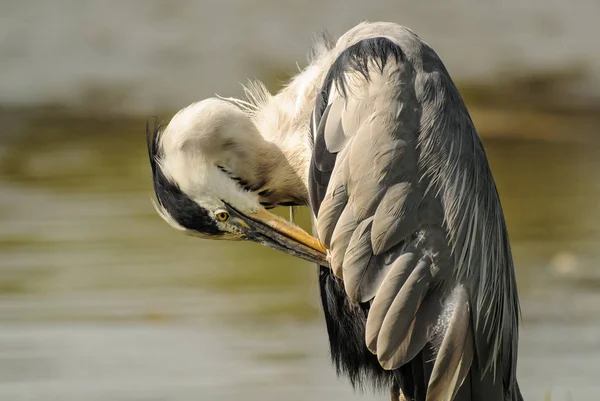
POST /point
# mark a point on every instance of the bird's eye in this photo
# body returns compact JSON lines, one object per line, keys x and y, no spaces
{"x":222,"y":215}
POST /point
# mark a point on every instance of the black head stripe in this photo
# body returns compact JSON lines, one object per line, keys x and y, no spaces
{"x":179,"y":205}
{"x":182,"y":208}
{"x":152,"y":141}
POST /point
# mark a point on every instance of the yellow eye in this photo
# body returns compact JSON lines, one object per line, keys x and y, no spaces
{"x":222,"y":216}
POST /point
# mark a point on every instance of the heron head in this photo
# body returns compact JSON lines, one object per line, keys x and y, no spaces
{"x":206,"y":167}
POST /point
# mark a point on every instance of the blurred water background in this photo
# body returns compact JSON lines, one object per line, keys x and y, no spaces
{"x":101,"y":300}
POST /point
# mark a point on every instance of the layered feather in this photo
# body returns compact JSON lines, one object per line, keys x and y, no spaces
{"x":404,"y":199}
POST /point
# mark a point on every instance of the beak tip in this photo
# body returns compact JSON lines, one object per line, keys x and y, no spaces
{"x":287,"y":237}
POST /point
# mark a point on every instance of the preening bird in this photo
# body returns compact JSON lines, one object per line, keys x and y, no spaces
{"x":416,"y":273}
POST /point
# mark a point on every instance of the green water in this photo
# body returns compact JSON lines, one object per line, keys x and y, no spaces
{"x":101,"y":300}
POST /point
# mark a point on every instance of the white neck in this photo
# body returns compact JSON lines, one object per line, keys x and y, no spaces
{"x":285,"y":117}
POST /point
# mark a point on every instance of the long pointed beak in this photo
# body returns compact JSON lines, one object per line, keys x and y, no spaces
{"x":274,"y":232}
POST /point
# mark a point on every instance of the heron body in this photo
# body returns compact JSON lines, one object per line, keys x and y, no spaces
{"x":418,"y":288}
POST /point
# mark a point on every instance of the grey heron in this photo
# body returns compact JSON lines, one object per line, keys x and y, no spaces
{"x":416,"y":274}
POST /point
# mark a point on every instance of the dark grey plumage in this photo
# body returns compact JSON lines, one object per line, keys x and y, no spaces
{"x":405,"y":201}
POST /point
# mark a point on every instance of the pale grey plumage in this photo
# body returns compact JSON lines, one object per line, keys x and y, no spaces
{"x":396,"y":217}
{"x":455,"y":355}
{"x":416,"y":184}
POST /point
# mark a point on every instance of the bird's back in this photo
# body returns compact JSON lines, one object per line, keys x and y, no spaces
{"x":422,"y":286}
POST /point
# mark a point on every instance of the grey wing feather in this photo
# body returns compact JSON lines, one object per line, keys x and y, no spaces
{"x":402,"y":313}
{"x":420,"y":330}
{"x":335,"y":138}
{"x":357,"y":260}
{"x":395,"y":218}
{"x":364,"y":184}
{"x":393,"y":222}
{"x":455,"y":355}
{"x":332,"y":207}
{"x":334,"y":201}
{"x":340,"y":239}
{"x":391,"y":286}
